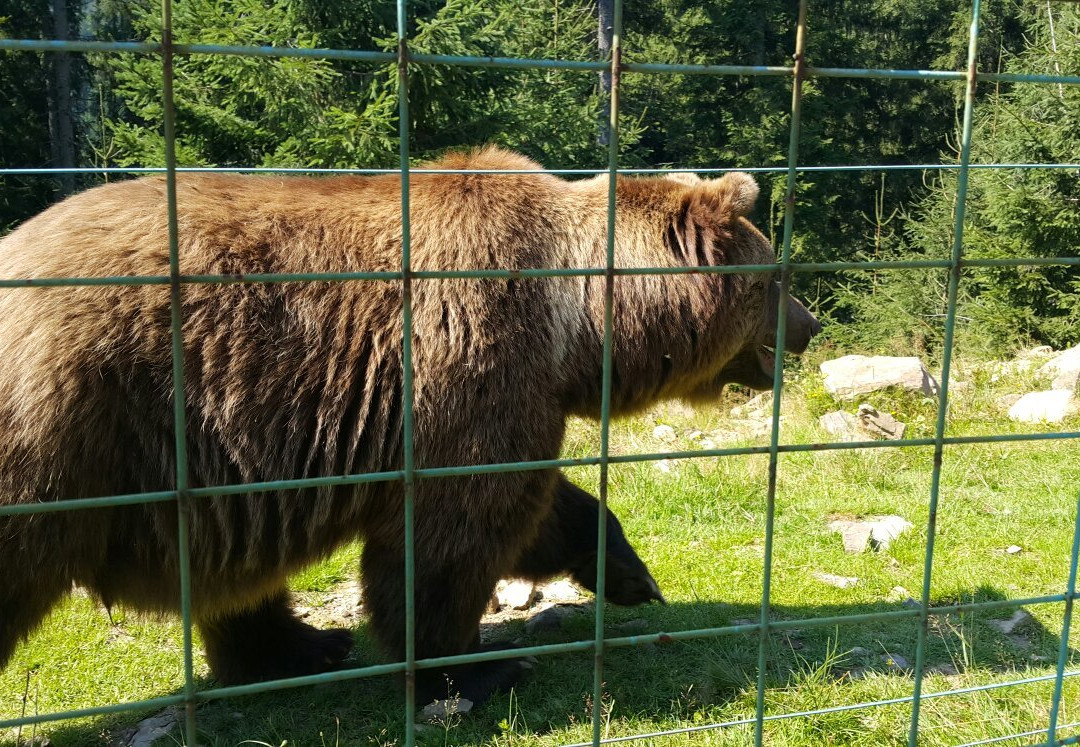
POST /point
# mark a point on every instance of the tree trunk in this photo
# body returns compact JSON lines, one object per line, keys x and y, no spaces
{"x":61,"y":131}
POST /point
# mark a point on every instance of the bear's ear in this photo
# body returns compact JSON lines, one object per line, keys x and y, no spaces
{"x":706,"y":211}
{"x":684,"y":177}
{"x":737,"y":192}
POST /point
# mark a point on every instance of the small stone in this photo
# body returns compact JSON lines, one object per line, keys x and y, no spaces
{"x":757,"y":408}
{"x":1013,"y":549}
{"x":838,"y":423}
{"x":744,"y":621}
{"x":516,"y":594}
{"x":946,"y":670}
{"x":911,"y":604}
{"x":694,"y":436}
{"x":440,"y":710}
{"x":855,"y":534}
{"x":664,"y":465}
{"x":840,"y":582}
{"x":879,"y":424}
{"x":664,"y":433}
{"x":707,"y":443}
{"x":877,"y":532}
{"x":562,"y":590}
{"x":895,"y":661}
{"x":885,"y":529}
{"x":631,"y":627}
{"x":550,"y":618}
{"x":1045,"y":407}
{"x":1008,"y":626}
{"x":151,"y":729}
{"x":859,"y":651}
{"x":899,"y":592}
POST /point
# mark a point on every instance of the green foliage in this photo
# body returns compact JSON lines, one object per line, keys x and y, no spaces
{"x":247,"y":111}
{"x":1011,"y":213}
{"x":24,"y":116}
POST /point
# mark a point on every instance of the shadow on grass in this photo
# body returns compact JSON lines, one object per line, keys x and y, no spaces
{"x":661,"y":682}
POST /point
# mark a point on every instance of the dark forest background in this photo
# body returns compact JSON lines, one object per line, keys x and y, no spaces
{"x":105,"y":110}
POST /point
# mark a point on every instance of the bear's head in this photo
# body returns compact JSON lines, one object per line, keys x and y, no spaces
{"x":736,"y":336}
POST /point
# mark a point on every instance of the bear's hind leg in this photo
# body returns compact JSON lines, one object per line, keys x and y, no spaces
{"x":38,"y":560}
{"x":22,"y":608}
{"x":268,"y":642}
{"x":450,"y":600}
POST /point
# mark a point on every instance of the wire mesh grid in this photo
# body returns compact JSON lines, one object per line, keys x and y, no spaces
{"x":184,"y":495}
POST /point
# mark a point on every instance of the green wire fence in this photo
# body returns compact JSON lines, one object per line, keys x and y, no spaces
{"x":184,"y":495}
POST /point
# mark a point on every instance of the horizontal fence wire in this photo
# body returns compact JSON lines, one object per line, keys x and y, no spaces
{"x":47,"y":171}
{"x":184,"y":495}
{"x":354,"y":55}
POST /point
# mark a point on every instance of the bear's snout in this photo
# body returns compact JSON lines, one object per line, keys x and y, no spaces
{"x":802,"y":326}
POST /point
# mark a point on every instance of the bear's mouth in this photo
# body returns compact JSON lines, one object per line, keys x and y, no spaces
{"x":766,"y":357}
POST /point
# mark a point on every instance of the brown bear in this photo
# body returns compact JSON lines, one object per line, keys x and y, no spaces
{"x":298,"y":379}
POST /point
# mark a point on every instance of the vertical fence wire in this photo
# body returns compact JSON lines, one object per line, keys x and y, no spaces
{"x":778,"y":368}
{"x":408,"y":480}
{"x":955,"y":270}
{"x":605,"y":387}
{"x":1063,"y":649}
{"x":183,"y":499}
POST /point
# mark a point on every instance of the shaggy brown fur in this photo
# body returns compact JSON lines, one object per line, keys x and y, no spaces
{"x":291,"y":380}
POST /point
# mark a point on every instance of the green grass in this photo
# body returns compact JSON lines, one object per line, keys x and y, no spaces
{"x":699,"y":524}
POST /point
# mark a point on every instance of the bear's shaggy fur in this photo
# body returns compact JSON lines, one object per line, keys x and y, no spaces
{"x":298,"y":379}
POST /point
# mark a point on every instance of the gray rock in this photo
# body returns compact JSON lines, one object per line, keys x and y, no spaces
{"x":151,"y":729}
{"x":899,"y":593}
{"x":839,"y":423}
{"x":859,"y":651}
{"x":550,"y":618}
{"x":561,"y":591}
{"x":945,"y":669}
{"x":757,"y":408}
{"x":440,"y":710}
{"x":1013,"y":549}
{"x":879,"y":424}
{"x":1045,"y":407}
{"x":877,"y":532}
{"x":516,"y":594}
{"x":1008,"y":626}
{"x":840,"y":582}
{"x":631,"y":627}
{"x":910,"y":604}
{"x":664,"y":433}
{"x":854,"y":375}
{"x":895,"y":661}
{"x":1065,"y":369}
